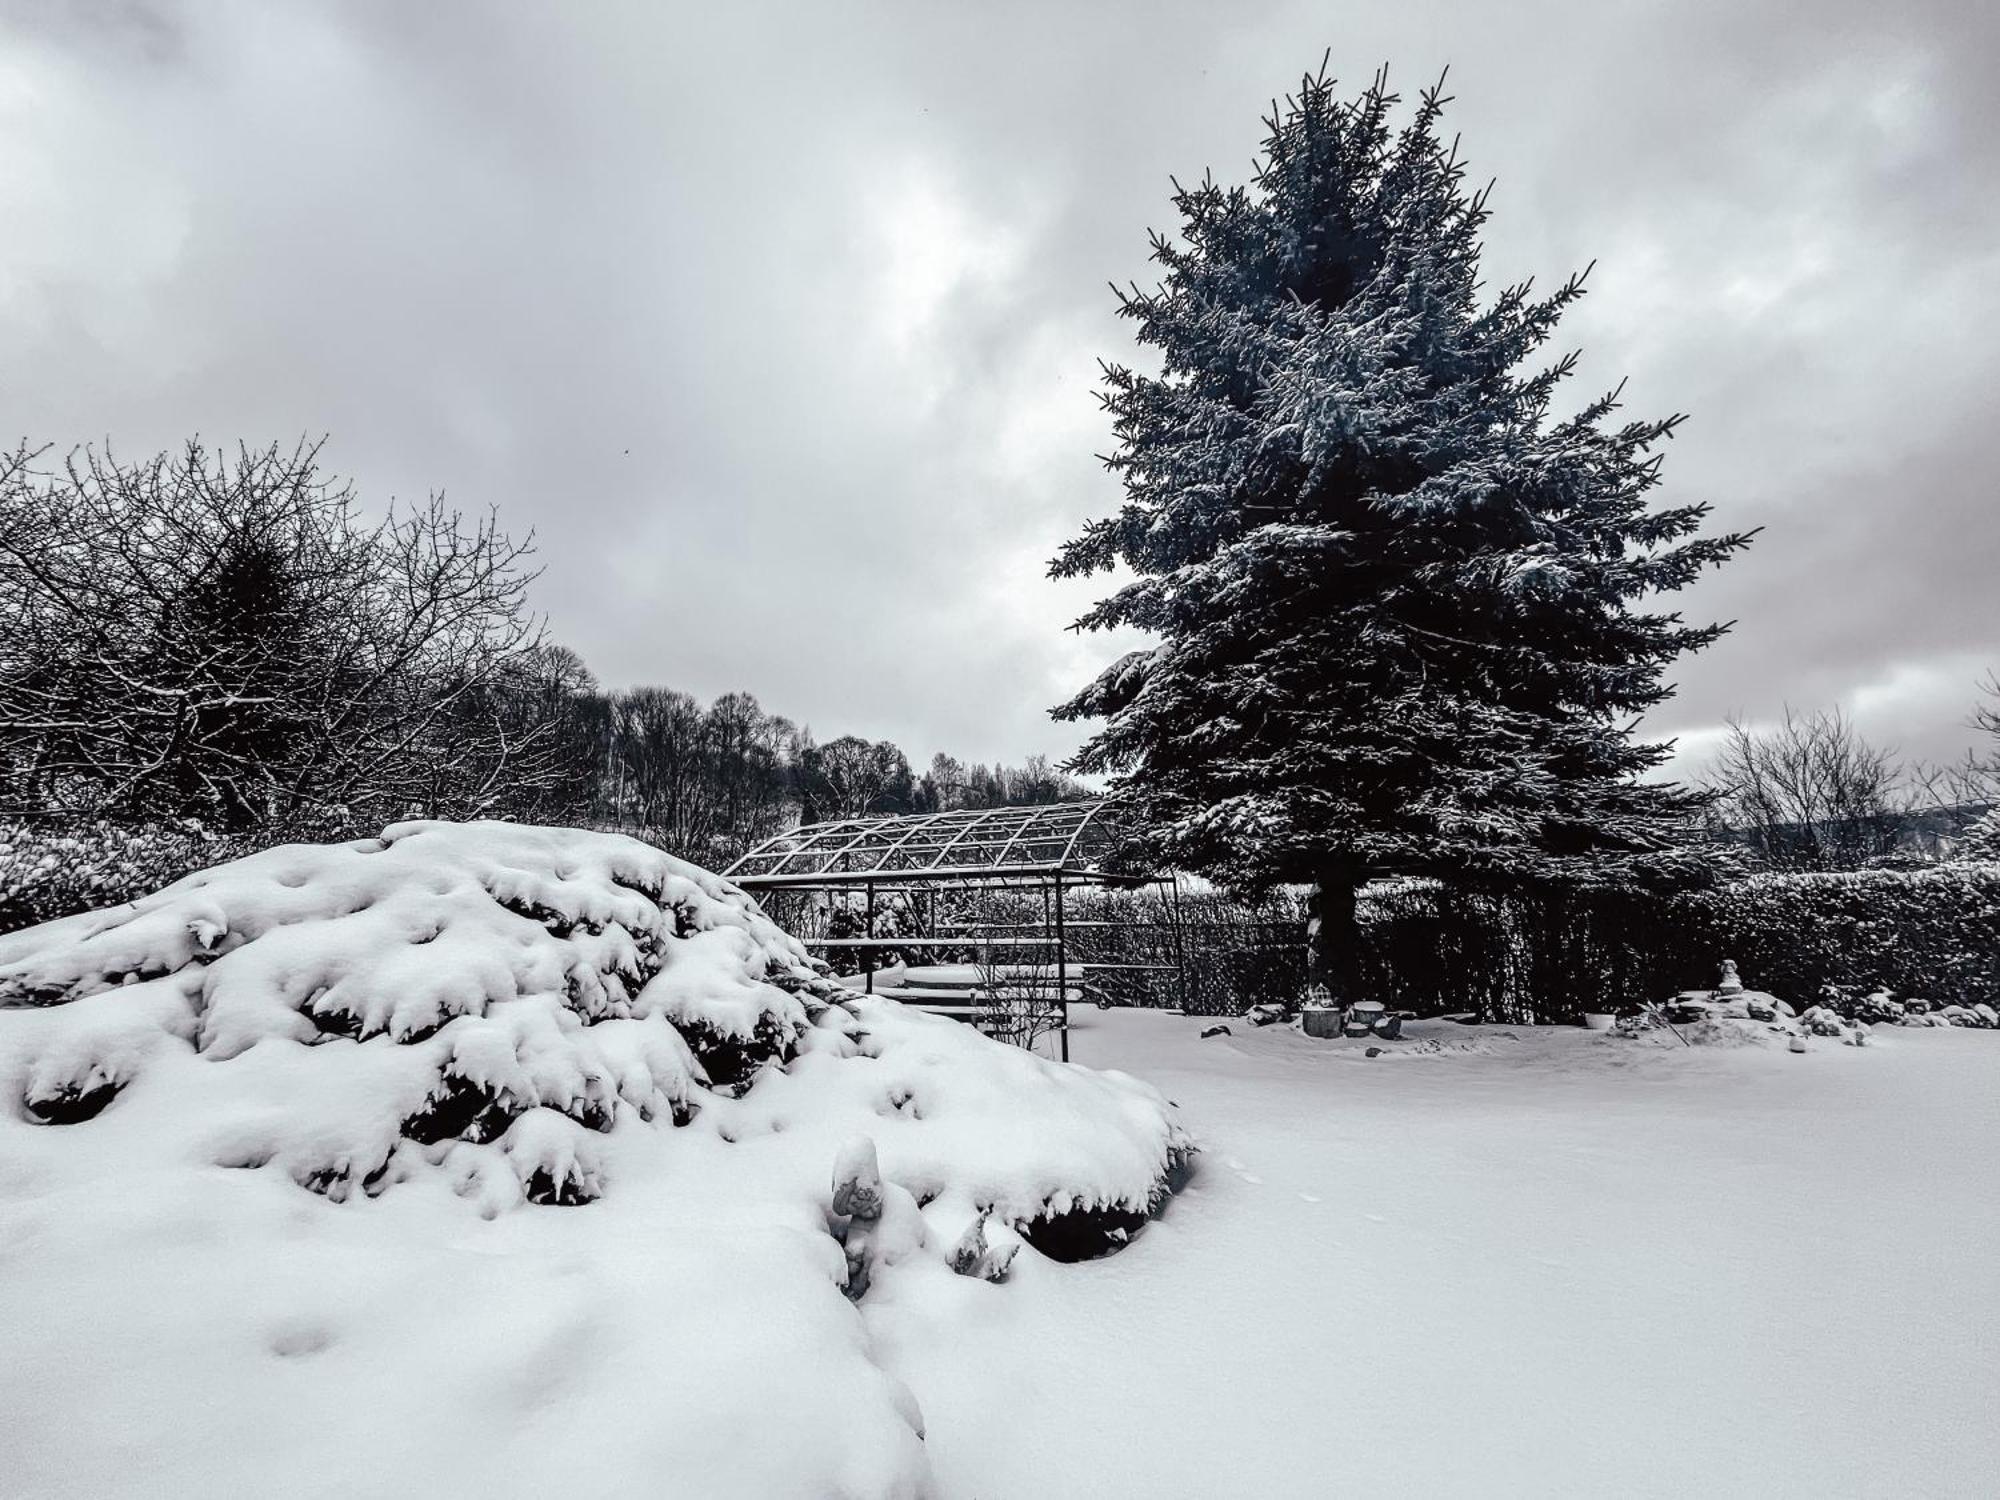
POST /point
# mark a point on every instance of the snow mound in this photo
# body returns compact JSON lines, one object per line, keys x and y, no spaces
{"x":383,"y":1002}
{"x":442,"y":1035}
{"x":1732,"y":1016}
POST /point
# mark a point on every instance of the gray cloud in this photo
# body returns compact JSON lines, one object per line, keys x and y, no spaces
{"x":778,"y":324}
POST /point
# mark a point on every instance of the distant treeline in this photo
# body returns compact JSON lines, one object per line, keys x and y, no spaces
{"x":709,"y":781}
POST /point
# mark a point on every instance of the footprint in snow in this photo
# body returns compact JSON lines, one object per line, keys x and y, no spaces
{"x":296,"y":1340}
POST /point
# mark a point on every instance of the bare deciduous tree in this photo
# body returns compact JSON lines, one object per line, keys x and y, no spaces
{"x":854,"y":778}
{"x":1810,"y":793}
{"x":225,"y":637}
{"x":1986,"y":719}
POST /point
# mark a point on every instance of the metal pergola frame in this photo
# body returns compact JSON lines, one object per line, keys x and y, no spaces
{"x":1052,"y":847}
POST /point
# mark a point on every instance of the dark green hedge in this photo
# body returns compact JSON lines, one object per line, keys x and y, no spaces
{"x":1931,"y":932}
{"x":48,"y":872}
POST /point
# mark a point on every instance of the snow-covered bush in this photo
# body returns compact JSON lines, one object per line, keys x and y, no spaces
{"x":273,"y":1143}
{"x":1981,"y":842}
{"x":1932,"y":931}
{"x":50,"y":872}
{"x":492,"y":1002}
{"x":1818,"y":1020}
{"x":1879,"y":1006}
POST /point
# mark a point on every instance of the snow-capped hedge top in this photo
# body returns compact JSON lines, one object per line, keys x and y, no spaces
{"x":1968,"y":876}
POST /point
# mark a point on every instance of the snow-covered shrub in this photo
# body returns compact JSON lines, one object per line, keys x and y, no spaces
{"x":1819,"y":1020}
{"x":1932,"y":932}
{"x":269,"y":1143}
{"x":1981,"y":842}
{"x":1879,"y":1006}
{"x":495,"y":1004}
{"x":50,"y":872}
{"x":269,"y":1140}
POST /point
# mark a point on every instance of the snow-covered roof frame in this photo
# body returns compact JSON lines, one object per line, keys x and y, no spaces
{"x":979,"y":845}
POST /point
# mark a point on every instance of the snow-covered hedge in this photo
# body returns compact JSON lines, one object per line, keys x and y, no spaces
{"x":1931,"y":932}
{"x":272,"y":1142}
{"x":51,"y":872}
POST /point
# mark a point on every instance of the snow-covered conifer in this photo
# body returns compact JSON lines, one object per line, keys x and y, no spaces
{"x":1398,"y":598}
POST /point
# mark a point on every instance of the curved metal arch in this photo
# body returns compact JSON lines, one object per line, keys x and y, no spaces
{"x":862,"y":832}
{"x":918,"y":824}
{"x":814,"y":848}
{"x":1095,"y":809}
{"x":982,"y":816}
{"x":1026,"y":824}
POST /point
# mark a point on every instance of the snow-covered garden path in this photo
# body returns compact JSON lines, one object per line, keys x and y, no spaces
{"x":1552,"y":1264}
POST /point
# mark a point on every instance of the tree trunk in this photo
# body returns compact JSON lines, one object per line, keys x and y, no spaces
{"x":1336,"y":946}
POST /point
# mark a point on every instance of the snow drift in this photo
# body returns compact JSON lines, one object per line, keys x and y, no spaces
{"x":332,"y":1123}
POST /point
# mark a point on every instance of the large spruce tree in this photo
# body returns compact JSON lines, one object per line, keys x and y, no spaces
{"x":1397,"y":598}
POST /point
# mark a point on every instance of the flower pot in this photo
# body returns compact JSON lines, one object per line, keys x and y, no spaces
{"x":1320,"y":1020}
{"x":1598,"y":1020}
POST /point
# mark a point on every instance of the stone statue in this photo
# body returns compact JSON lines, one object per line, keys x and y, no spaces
{"x":1731,"y":985}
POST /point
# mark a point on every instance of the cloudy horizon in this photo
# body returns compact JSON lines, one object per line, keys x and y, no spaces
{"x":779,"y":326}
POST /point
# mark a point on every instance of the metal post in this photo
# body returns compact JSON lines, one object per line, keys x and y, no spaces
{"x":1062,"y":969}
{"x":868,"y":931}
{"x":1180,"y":957}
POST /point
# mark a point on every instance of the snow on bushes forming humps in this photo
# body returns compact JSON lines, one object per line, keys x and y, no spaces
{"x":495,"y":1002}
{"x":1732,"y":1014}
{"x":368,"y":1047}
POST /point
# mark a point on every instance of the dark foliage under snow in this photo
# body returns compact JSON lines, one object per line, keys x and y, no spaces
{"x":1925,"y":933}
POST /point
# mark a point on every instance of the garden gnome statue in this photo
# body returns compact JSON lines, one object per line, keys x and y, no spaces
{"x":1730,"y":985}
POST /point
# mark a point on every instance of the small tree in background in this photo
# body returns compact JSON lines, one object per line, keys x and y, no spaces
{"x":853,"y":778}
{"x":1810,"y":793}
{"x":1397,"y":600}
{"x":1977,"y":781}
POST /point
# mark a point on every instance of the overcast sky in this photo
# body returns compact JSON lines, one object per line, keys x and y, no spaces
{"x":778,"y":324}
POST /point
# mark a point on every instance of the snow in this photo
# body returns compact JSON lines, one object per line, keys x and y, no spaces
{"x":1503,"y":1261}
{"x":1486,"y":1261}
{"x":542,"y":1202}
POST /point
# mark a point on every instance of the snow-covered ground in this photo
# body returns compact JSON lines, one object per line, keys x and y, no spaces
{"x":1530,"y":1263}
{"x":291,"y":1155}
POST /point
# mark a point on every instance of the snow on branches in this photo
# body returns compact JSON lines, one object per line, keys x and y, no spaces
{"x":1394,"y":588}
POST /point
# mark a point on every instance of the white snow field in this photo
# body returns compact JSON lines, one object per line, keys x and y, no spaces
{"x":490,"y":1162}
{"x":479,"y":1160}
{"x":1505,"y":1262}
